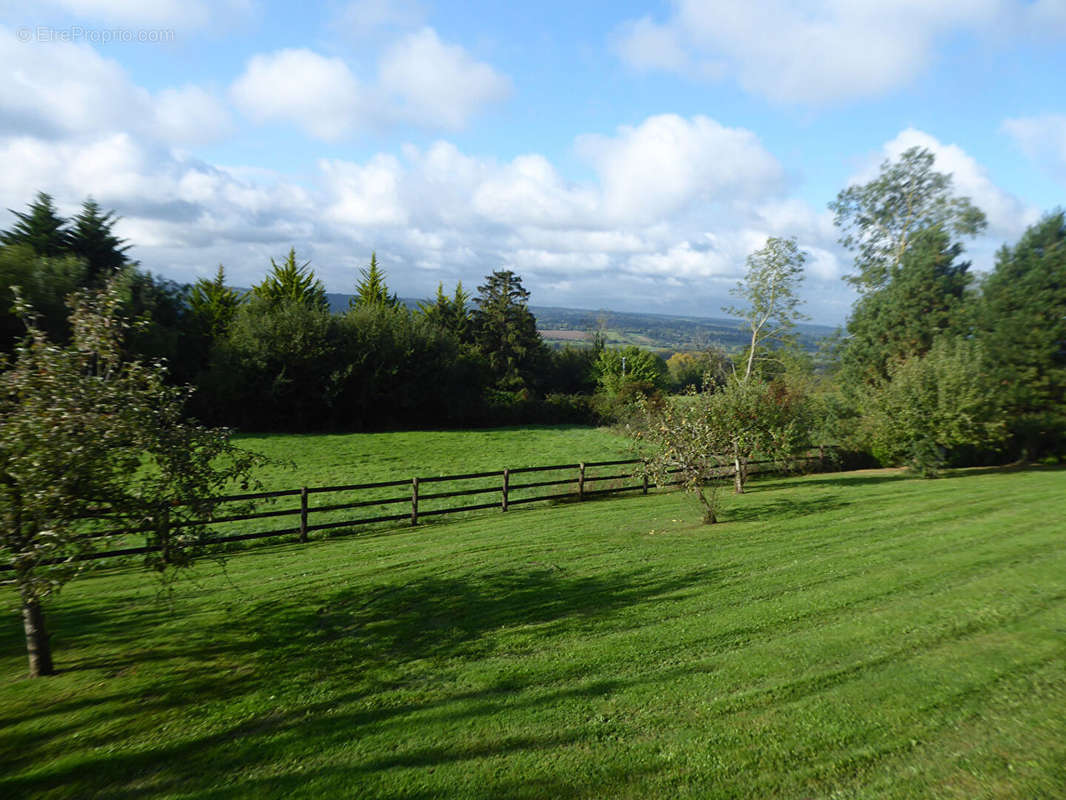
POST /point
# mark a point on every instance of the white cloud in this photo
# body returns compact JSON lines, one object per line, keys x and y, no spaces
{"x":67,"y":89}
{"x":804,"y":51}
{"x":420,"y":79}
{"x":1007,"y":215}
{"x":1042,"y":138}
{"x":667,"y":163}
{"x":438,"y":83}
{"x":316,"y":93}
{"x":364,"y":195}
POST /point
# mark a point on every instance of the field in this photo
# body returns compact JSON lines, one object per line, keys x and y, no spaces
{"x":861,"y":635}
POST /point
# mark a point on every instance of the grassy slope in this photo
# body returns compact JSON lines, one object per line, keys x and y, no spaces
{"x":860,"y":635}
{"x":334,"y":459}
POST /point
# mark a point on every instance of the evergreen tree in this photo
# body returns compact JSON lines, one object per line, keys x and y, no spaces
{"x":450,"y":313}
{"x":921,"y":299}
{"x":505,"y":330}
{"x":41,"y":228}
{"x":1022,"y":324}
{"x":92,"y":239}
{"x":213,"y":304}
{"x":290,"y":282}
{"x":370,"y":290}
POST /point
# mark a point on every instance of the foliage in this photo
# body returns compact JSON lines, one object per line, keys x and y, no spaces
{"x":931,"y":404}
{"x":505,"y":330}
{"x":213,"y":305}
{"x":290,"y":282}
{"x":879,"y":219}
{"x":703,"y":369}
{"x":922,"y":299}
{"x":631,"y":368}
{"x":690,"y":440}
{"x":450,"y":313}
{"x":40,"y":228}
{"x":1022,"y":324}
{"x":771,"y":303}
{"x":370,"y":289}
{"x":44,"y":283}
{"x":91,"y":238}
{"x":83,"y":431}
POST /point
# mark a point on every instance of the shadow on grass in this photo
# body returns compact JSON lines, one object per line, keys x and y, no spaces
{"x":354,"y":650}
{"x":782,"y":508}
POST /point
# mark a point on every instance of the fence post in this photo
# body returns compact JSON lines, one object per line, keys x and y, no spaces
{"x":303,"y":513}
{"x":581,"y":481}
{"x":645,"y":476}
{"x":414,"y":501}
{"x":506,"y":485}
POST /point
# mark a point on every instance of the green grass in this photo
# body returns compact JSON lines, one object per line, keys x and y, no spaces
{"x":338,"y":459}
{"x":862,"y":635}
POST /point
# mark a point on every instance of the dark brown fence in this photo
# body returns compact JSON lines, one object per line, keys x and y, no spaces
{"x":352,"y":502}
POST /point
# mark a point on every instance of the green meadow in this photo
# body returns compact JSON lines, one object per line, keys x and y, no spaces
{"x":853,"y":635}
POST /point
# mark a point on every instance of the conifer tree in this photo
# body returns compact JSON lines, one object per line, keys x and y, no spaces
{"x":371,"y":290}
{"x":41,"y":228}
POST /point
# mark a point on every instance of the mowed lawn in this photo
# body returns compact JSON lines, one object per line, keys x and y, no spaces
{"x":861,"y":635}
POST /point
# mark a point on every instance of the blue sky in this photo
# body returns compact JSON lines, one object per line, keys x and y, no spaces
{"x":616,"y":155}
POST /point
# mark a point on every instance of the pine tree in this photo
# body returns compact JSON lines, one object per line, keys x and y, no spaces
{"x":505,"y":330}
{"x":290,"y":282}
{"x":41,"y":228}
{"x":450,"y":313}
{"x":370,"y":290}
{"x":213,"y":304}
{"x":91,"y":238}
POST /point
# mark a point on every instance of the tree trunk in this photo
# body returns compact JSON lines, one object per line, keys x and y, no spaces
{"x":738,"y":474}
{"x":38,"y":647}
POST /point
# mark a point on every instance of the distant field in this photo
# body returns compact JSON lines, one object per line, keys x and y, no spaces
{"x":861,"y":635}
{"x":331,"y":459}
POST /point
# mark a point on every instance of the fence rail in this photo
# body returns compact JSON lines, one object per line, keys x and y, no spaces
{"x":580,"y":476}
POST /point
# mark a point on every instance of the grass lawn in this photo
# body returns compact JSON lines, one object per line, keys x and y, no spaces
{"x":336,"y":459}
{"x":862,"y":635}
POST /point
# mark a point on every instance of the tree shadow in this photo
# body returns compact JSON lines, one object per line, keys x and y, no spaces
{"x":355,"y":637}
{"x":782,"y":508}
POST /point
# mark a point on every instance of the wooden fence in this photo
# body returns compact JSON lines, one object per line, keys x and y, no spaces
{"x":507,"y":488}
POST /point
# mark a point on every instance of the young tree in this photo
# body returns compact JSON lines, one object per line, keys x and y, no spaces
{"x":505,"y":330}
{"x":631,"y":367}
{"x":371,"y":291}
{"x":41,"y":228}
{"x":291,"y":282}
{"x":91,"y":238}
{"x":879,"y":219}
{"x":770,"y":287}
{"x":84,"y":432}
{"x":688,"y":437}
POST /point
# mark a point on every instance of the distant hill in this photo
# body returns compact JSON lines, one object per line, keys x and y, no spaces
{"x":561,"y":326}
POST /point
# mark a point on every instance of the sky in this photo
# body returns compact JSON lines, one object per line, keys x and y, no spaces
{"x":616,"y":155}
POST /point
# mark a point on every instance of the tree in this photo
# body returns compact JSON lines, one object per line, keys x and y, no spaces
{"x":44,"y":283}
{"x":770,"y":286}
{"x":91,"y":238}
{"x":922,"y":300}
{"x":1022,"y":324}
{"x":450,"y":313}
{"x":698,"y":370}
{"x":505,"y":330}
{"x":932,"y":404}
{"x":213,"y":304}
{"x":879,"y":219}
{"x":41,"y":228}
{"x":630,"y":366}
{"x":291,"y":282}
{"x":85,"y":433}
{"x":370,"y":290}
{"x":689,"y":441}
